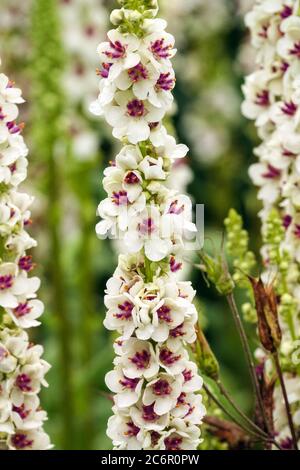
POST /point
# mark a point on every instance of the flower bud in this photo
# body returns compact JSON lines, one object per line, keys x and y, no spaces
{"x":267,"y":314}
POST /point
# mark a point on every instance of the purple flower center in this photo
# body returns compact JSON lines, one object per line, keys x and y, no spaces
{"x":174,"y":266}
{"x":6,"y":281}
{"x":22,"y":309}
{"x":272,"y":172}
{"x":286,"y":12}
{"x":181,"y":399}
{"x":167,"y":357}
{"x":287,"y":220}
{"x":289,"y":108}
{"x":131,"y":178}
{"x":135,"y":108}
{"x":162,"y":388}
{"x":173,"y":443}
{"x":14,"y":128}
{"x":264,"y":31}
{"x":23,"y":382}
{"x":163,"y":313}
{"x":137,"y":73}
{"x":125,"y":310}
{"x":297,"y":231}
{"x":26,"y":263}
{"x":288,"y":153}
{"x":153,"y":125}
{"x":146,"y":227}
{"x":160,"y":50}
{"x":2,"y":116}
{"x":187,"y":374}
{"x":176,"y":332}
{"x":120,"y":198}
{"x":20,"y":441}
{"x":175,"y":209}
{"x":21,"y":410}
{"x":149,"y":413}
{"x":263,"y":98}
{"x":129,"y":383}
{"x":154,"y":438}
{"x":296,"y":50}
{"x":117,"y":50}
{"x":104,"y":72}
{"x":132,"y":429}
{"x":13,"y":167}
{"x":165,"y":82}
{"x":141,"y":359}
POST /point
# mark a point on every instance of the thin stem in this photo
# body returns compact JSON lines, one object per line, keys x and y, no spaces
{"x":286,"y":401}
{"x":248,"y":355}
{"x":232,"y":417}
{"x":238,"y":410}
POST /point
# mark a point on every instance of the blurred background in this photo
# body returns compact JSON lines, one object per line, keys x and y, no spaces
{"x":48,"y":47}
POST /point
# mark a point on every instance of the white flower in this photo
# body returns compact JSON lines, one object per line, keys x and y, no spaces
{"x":138,"y":359}
{"x":130,"y":117}
{"x":127,"y":390}
{"x":124,"y":433}
{"x":13,"y":285}
{"x":121,"y":314}
{"x":163,"y":393}
{"x":29,"y":440}
{"x":120,"y":51}
{"x":145,"y":231}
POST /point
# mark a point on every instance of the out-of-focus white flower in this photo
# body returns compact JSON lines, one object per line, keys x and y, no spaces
{"x":22,"y":371}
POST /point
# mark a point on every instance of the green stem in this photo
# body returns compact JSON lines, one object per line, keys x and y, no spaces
{"x":248,"y":355}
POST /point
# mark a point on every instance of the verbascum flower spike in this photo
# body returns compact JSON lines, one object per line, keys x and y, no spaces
{"x":272,"y":100}
{"x":22,"y":369}
{"x":157,"y":404}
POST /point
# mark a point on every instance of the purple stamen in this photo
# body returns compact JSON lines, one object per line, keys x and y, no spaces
{"x":146,"y":227}
{"x":136,"y":108}
{"x":177,"y":332}
{"x":21,"y":410}
{"x":289,"y":108}
{"x":131,"y":178}
{"x":297,"y":230}
{"x":163,"y":313}
{"x":296,"y":50}
{"x":167,"y":357}
{"x":25,"y":263}
{"x":125,"y":310}
{"x":141,"y":359}
{"x":20,"y":441}
{"x":149,"y":413}
{"x":137,"y":73}
{"x":161,"y":388}
{"x":6,"y":281}
{"x":160,"y":50}
{"x":262,"y":98}
{"x":120,"y":198}
{"x":272,"y":172}
{"x":174,"y":266}
{"x":174,"y":209}
{"x":187,"y":374}
{"x":104,"y":72}
{"x":129,"y":383}
{"x":286,"y":12}
{"x":22,"y":309}
{"x":133,"y":430}
{"x":165,"y":82}
{"x":117,"y":51}
{"x":287,"y":220}
{"x":22,"y":382}
{"x":173,"y":443}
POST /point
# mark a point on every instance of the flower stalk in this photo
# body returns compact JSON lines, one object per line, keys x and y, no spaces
{"x":157,"y":404}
